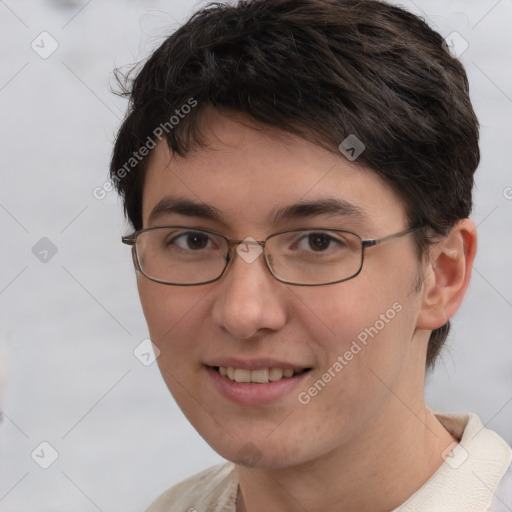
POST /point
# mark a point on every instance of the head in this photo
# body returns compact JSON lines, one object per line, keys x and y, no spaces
{"x":242,"y":111}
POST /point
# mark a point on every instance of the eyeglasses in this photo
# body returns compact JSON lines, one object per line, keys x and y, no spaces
{"x":185,"y":256}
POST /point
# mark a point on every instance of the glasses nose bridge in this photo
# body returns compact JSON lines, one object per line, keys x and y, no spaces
{"x":249,"y":240}
{"x":249,"y":249}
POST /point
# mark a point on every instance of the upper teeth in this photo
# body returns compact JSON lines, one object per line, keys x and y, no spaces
{"x":261,"y":376}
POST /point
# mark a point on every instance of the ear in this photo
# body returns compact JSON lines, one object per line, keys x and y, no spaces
{"x":447,"y":275}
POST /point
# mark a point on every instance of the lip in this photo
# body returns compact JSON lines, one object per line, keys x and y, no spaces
{"x":254,"y":393}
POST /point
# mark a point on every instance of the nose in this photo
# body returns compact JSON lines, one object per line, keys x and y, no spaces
{"x":249,"y":299}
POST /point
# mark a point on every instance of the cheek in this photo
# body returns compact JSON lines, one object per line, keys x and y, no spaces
{"x":172,"y":317}
{"x":368,"y":328}
{"x":364,"y":340}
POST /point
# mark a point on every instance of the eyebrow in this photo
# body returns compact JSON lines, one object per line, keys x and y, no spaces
{"x":301,"y":210}
{"x":185,"y":207}
{"x":324,"y":206}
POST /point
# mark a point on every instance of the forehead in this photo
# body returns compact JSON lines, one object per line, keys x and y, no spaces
{"x":247,"y":172}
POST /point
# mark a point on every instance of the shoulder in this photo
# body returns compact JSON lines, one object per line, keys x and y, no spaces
{"x":473,"y":474}
{"x":213,"y":489}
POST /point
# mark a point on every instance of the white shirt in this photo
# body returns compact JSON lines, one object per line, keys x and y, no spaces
{"x":476,"y":477}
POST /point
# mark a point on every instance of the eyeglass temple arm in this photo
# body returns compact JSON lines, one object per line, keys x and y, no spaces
{"x":128,"y":239}
{"x":377,"y":241}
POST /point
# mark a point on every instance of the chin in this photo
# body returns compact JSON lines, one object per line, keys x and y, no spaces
{"x":260,"y":453}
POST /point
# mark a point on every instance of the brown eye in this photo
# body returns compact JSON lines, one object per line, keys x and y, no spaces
{"x":319,"y":241}
{"x":197,"y":241}
{"x":191,"y":241}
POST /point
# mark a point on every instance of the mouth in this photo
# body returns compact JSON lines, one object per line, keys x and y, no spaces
{"x":257,"y":381}
{"x":258,"y":376}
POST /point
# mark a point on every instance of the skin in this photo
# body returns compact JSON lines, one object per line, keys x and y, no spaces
{"x":369,"y":428}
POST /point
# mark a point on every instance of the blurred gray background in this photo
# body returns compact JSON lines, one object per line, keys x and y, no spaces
{"x":70,"y":318}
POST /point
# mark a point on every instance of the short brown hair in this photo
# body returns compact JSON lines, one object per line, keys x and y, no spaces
{"x":322,"y":69}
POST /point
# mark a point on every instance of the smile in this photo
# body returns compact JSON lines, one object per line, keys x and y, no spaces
{"x":260,"y":376}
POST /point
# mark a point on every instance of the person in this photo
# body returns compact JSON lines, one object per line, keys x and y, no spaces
{"x":298,"y":175}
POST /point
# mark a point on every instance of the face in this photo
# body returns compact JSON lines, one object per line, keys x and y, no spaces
{"x":354,"y":339}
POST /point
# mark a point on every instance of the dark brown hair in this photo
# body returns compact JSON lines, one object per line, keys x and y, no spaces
{"x":322,"y":69}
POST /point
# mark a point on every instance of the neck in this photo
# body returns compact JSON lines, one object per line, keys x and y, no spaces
{"x":393,"y":466}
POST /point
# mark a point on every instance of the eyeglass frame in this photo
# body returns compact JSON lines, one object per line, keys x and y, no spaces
{"x":365,"y":243}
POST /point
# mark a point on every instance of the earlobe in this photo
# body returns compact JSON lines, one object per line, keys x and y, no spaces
{"x":448,"y":275}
